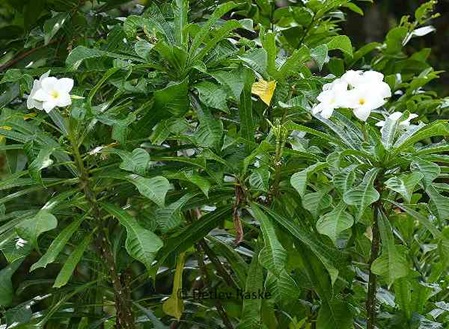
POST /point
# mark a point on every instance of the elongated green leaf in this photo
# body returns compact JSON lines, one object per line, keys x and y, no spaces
{"x":81,"y":53}
{"x":389,"y":132}
{"x":57,"y":245}
{"x":439,"y":204}
{"x":141,"y":244}
{"x":273,"y":255}
{"x":405,"y":184}
{"x":174,"y":305}
{"x":364,"y":194}
{"x":335,"y":314}
{"x":71,"y":263}
{"x":335,"y":222}
{"x":187,"y":237}
{"x":6,"y":288}
{"x":437,"y":128}
{"x":329,"y":257}
{"x":205,"y":29}
{"x":251,"y":307}
{"x":344,"y":179}
{"x":246,"y":108}
{"x":154,"y":188}
{"x":429,"y":170}
{"x":212,"y":95}
{"x":32,"y":228}
{"x":420,"y":217}
{"x":391,"y":264}
{"x":317,"y":201}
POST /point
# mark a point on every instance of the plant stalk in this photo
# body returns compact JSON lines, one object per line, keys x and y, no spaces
{"x":125,"y":318}
{"x":372,"y":279}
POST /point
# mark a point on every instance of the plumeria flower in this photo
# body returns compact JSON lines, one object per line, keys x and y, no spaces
{"x":37,"y":84}
{"x":330,"y":98}
{"x":360,"y":91}
{"x":363,"y":99}
{"x":52,"y":93}
{"x":404,"y":123}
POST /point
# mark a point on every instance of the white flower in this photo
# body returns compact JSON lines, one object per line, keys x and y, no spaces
{"x":54,"y":93}
{"x":404,"y":123}
{"x":363,"y":99}
{"x":330,"y":98}
{"x":31,"y":102}
{"x":20,"y":243}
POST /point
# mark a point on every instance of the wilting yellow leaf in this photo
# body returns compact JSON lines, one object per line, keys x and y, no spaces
{"x":174,"y":305}
{"x":29,"y":116}
{"x":264,"y":89}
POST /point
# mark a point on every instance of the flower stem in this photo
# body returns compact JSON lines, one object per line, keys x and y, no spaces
{"x":125,"y":318}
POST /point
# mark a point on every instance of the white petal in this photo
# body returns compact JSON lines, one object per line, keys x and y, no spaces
{"x":49,"y":105}
{"x":64,"y":85}
{"x":327,"y":112}
{"x":49,"y":84}
{"x":45,"y":75}
{"x":41,"y":96}
{"x":380,"y":124}
{"x":373,"y":76}
{"x":63,"y":100}
{"x":395,"y":116}
{"x":362,"y":113}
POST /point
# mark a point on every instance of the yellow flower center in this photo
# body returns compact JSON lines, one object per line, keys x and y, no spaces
{"x":54,"y":94}
{"x":362,"y":101}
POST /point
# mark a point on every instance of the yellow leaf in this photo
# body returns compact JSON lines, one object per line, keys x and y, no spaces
{"x":2,"y":138}
{"x":174,"y":305}
{"x":264,"y":89}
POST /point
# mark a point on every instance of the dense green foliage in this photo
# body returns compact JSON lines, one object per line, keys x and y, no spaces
{"x":176,"y":192}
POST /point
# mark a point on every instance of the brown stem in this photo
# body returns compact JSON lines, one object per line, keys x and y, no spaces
{"x":372,"y":280}
{"x":125,"y":318}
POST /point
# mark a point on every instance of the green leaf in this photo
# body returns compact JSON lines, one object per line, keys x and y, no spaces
{"x":172,"y":100}
{"x":154,"y":188}
{"x":335,"y":222}
{"x":251,"y":315}
{"x":6,"y":288}
{"x":53,"y":25}
{"x":259,"y":179}
{"x":404,"y":184}
{"x":341,"y":42}
{"x":428,"y":169}
{"x":210,"y":130}
{"x":364,"y":194}
{"x":232,"y":81}
{"x":389,"y":132}
{"x":171,"y":216}
{"x":344,"y":179}
{"x":141,"y":244}
{"x":247,"y":126}
{"x":319,"y":55}
{"x":317,"y":201}
{"x":437,"y":128}
{"x":256,"y":59}
{"x":273,"y":255}
{"x":391,"y":264}
{"x":299,"y":179}
{"x":212,"y":95}
{"x":81,"y":53}
{"x":439,"y":204}
{"x":328,"y":257}
{"x":205,"y":29}
{"x":57,"y":245}
{"x":137,"y":162}
{"x":32,"y":228}
{"x":42,"y":161}
{"x":335,"y":314}
{"x":71,"y":263}
{"x":418,"y":216}
{"x":184,"y":239}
